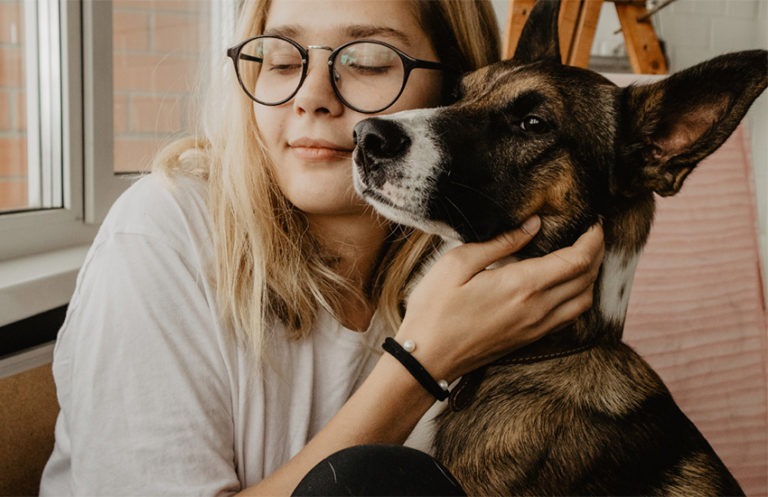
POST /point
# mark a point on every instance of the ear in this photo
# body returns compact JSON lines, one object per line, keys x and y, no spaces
{"x":670,"y":126}
{"x":539,"y":39}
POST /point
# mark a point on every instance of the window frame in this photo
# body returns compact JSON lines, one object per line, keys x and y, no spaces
{"x":42,"y":230}
{"x":85,"y":142}
{"x":42,"y":250}
{"x":101,"y":184}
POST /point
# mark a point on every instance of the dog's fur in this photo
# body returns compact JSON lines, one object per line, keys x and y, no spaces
{"x":533,"y":136}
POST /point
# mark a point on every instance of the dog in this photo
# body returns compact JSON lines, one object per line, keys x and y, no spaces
{"x":578,"y":412}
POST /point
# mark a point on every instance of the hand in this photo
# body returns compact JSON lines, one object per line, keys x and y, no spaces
{"x":463,"y":316}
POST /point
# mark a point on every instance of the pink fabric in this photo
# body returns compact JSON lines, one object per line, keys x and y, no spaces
{"x":697,"y":311}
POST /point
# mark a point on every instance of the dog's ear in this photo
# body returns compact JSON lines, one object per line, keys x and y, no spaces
{"x":539,"y":39}
{"x":671,"y":125}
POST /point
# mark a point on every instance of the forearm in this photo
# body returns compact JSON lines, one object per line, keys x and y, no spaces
{"x":384,"y":409}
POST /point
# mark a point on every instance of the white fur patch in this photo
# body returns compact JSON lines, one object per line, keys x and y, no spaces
{"x":616,"y":284}
{"x":409,"y":219}
{"x":406,"y":192}
{"x":422,"y":164}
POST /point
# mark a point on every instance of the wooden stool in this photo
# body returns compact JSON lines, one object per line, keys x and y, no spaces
{"x":578,"y":23}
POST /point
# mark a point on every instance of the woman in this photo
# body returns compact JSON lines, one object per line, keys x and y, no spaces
{"x":226,"y":329}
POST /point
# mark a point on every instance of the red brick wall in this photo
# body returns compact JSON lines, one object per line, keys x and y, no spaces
{"x":158,"y":47}
{"x":13,"y":138}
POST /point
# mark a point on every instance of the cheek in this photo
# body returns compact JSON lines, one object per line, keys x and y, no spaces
{"x":268,"y":122}
{"x":424,"y":89}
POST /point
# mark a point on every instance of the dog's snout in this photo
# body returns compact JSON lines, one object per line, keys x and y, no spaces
{"x":380,"y":139}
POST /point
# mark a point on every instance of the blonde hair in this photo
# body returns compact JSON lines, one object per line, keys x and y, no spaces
{"x":267,"y":265}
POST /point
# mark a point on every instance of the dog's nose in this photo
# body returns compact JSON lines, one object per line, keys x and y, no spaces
{"x":380,"y":139}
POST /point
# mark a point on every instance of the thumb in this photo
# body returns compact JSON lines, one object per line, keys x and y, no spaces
{"x":479,"y":256}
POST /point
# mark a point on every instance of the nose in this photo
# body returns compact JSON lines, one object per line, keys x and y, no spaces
{"x":378,"y":145}
{"x":380,"y":140}
{"x":316,"y":94}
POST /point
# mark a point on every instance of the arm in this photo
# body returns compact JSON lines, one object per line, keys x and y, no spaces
{"x":145,"y":406}
{"x":503,"y":308}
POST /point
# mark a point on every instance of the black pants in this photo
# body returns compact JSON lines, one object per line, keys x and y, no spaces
{"x":378,"y":470}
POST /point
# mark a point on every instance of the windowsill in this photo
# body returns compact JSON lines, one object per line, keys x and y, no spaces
{"x":24,"y":361}
{"x":35,"y":284}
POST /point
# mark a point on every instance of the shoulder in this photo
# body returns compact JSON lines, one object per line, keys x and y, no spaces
{"x":171,"y":209}
{"x":157,"y":198}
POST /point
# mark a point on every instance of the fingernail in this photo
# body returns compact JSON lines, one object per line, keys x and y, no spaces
{"x":531,"y":225}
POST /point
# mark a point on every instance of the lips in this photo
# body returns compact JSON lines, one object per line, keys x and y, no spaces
{"x":318,"y":149}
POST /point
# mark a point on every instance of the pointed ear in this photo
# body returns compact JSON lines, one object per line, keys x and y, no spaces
{"x":539,"y":39}
{"x":670,"y":126}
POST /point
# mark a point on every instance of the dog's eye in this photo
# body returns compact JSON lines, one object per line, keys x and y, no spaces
{"x":534,"y":124}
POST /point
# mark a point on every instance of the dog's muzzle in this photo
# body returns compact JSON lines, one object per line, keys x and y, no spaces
{"x":396,"y":166}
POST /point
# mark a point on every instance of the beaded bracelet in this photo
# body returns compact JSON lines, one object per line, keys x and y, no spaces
{"x":438,"y":389}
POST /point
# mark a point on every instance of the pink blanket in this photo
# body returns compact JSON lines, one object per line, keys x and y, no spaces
{"x":697,"y":311}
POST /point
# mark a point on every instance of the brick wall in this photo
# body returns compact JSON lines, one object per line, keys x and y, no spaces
{"x":13,"y":141}
{"x":157,"y":46}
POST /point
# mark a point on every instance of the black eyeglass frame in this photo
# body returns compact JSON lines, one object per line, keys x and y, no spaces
{"x":409,"y":64}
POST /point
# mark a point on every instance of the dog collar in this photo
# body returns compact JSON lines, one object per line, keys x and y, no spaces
{"x":464,"y":392}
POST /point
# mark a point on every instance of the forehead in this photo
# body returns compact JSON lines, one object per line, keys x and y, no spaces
{"x":335,"y":21}
{"x":499,"y":84}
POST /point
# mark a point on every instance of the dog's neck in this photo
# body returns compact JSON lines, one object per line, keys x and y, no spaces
{"x":602,"y":324}
{"x":614,"y":286}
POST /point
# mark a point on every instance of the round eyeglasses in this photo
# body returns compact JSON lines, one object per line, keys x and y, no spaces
{"x":367,"y":76}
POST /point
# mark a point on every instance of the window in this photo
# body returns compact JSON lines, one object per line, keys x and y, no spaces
{"x":89,"y":90}
{"x":30,"y":127}
{"x":41,"y":174}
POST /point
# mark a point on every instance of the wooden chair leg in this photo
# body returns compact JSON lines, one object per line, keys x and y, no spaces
{"x":578,"y":23}
{"x":643,"y":47}
{"x":518,"y":14}
{"x":581,"y":47}
{"x":516,"y":17}
{"x":570,"y":11}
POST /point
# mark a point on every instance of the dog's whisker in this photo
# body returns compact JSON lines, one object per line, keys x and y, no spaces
{"x":463,"y":216}
{"x":479,"y":192}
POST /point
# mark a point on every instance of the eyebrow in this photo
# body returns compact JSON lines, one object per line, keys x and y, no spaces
{"x":355,"y":31}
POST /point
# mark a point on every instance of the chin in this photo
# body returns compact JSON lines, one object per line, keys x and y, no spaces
{"x":326,"y":203}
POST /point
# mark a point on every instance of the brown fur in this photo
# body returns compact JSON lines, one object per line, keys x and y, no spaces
{"x":579,"y":412}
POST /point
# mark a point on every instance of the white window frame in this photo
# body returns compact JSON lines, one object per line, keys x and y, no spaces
{"x":42,"y":250}
{"x":101,"y":185}
{"x":39,"y":254}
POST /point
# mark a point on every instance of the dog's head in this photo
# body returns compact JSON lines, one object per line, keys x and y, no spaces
{"x":533,"y":136}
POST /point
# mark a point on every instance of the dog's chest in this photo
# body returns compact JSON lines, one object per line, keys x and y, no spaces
{"x":508,"y":429}
{"x":500,"y":410}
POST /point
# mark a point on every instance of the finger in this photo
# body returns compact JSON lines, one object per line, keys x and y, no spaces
{"x":478,"y":256}
{"x":540,"y":304}
{"x":570,"y":310}
{"x":564,"y":314}
{"x":583,"y":257}
{"x":592,"y":240}
{"x":571,"y":289}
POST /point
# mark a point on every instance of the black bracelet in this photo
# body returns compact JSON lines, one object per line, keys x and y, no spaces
{"x":438,"y":389}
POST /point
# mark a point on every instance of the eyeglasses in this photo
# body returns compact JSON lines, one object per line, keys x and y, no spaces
{"x":367,"y":76}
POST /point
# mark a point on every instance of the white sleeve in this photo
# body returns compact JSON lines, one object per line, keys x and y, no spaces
{"x":143,"y":381}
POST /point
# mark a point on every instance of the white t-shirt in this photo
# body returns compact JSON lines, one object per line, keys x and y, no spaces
{"x":156,"y":397}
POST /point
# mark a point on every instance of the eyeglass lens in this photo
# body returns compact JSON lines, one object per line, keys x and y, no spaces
{"x":367,"y":76}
